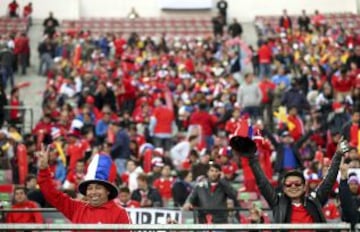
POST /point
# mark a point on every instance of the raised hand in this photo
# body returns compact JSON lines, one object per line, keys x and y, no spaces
{"x":43,"y":157}
{"x":342,"y":147}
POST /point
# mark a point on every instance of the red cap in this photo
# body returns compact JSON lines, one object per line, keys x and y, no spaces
{"x":228,"y":170}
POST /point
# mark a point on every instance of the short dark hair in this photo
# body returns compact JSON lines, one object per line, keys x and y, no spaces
{"x":143,"y":177}
{"x":182,"y":174}
{"x":294,"y":172}
{"x":20,"y":187}
{"x":29,"y":177}
{"x":124,"y":189}
{"x":215,"y":165}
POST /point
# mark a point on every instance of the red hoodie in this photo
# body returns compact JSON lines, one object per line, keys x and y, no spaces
{"x":205,"y":120}
{"x":79,"y":211}
{"x":25,"y":217}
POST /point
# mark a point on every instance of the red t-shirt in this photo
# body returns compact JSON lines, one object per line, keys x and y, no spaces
{"x":13,"y":7}
{"x":300,"y":215}
{"x":342,"y":85}
{"x":164,"y":187}
{"x":75,"y":151}
{"x":265,"y":54}
{"x":27,"y":11}
{"x":25,"y":217}
{"x":265,"y":87}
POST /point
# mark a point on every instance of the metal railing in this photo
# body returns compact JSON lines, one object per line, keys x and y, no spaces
{"x":25,"y":125}
{"x":176,"y":227}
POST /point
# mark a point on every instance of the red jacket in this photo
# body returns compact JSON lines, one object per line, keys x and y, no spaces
{"x":265,"y":55}
{"x":342,"y":85}
{"x":25,"y":217}
{"x":78,"y":211}
{"x":265,"y":87}
{"x":164,"y":187}
{"x":205,"y":120}
{"x":164,"y":119}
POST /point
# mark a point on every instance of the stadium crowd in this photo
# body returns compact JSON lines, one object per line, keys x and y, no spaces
{"x":164,"y":109}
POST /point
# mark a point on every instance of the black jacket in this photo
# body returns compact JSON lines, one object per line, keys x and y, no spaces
{"x":281,"y":204}
{"x":152,"y":194}
{"x":212,"y":203}
{"x":279,"y":147}
{"x":180,"y":191}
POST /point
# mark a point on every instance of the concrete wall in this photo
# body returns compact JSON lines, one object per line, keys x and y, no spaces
{"x":244,"y":10}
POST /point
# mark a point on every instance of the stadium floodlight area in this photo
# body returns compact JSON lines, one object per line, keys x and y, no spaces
{"x":176,"y":227}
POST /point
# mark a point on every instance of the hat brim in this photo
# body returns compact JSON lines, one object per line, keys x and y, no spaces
{"x":113,"y":191}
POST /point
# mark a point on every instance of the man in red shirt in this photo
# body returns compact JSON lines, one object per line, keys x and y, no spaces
{"x":99,"y":207}
{"x":22,"y":51}
{"x":21,"y":202}
{"x":207,"y":123}
{"x":342,"y":83}
{"x":13,"y":7}
{"x":267,"y":88}
{"x":265,"y":58}
{"x":124,"y":199}
{"x":27,"y":10}
{"x":164,"y":183}
{"x":162,"y":124}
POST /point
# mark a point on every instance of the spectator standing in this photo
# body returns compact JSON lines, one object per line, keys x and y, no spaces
{"x":294,"y":97}
{"x":304,"y":21}
{"x":21,"y":202}
{"x":212,"y":193}
{"x":218,"y":26}
{"x":13,"y":9}
{"x":120,"y":150}
{"x":222,"y":6}
{"x":46,"y":51}
{"x":207,"y":123}
{"x":162,"y":125}
{"x":6,"y":61}
{"x":50,"y":24}
{"x":265,"y":59}
{"x":285,"y":21}
{"x":249,"y":96}
{"x":22,"y":51}
{"x":27,"y":13}
{"x":235,"y":29}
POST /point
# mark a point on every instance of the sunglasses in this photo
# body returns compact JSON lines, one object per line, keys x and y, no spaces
{"x":290,"y":184}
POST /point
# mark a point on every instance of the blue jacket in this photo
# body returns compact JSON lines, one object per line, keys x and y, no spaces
{"x":101,"y":128}
{"x":121,"y":146}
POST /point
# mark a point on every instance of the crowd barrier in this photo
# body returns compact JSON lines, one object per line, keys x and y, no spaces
{"x":177,"y":227}
{"x":26,"y":124}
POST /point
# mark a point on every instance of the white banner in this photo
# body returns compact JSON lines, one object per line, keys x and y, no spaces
{"x":153,"y":216}
{"x":185,"y":4}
